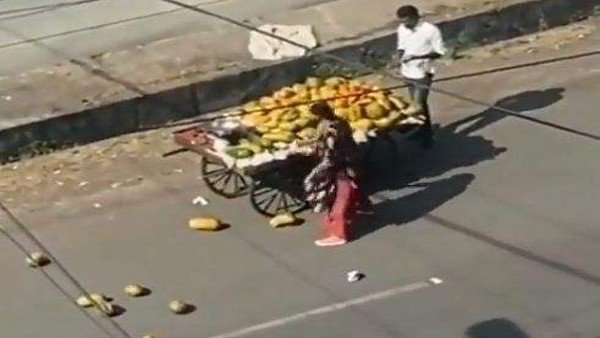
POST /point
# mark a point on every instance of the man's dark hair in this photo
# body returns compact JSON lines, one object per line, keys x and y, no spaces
{"x":407,"y":12}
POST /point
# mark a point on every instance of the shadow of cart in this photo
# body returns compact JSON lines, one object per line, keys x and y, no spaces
{"x":457,"y":147}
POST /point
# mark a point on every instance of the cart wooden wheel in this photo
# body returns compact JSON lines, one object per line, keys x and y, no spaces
{"x":273,"y":199}
{"x":223,"y":180}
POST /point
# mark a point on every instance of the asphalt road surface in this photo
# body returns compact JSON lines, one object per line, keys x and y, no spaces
{"x":501,"y":210}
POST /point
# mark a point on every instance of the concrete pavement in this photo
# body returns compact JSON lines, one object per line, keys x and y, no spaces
{"x":83,"y":29}
{"x":501,"y":209}
{"x":126,"y":91}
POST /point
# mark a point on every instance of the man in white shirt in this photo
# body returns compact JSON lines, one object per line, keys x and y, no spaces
{"x":419,"y":43}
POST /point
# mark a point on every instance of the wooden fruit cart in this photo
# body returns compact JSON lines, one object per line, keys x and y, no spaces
{"x":273,"y":188}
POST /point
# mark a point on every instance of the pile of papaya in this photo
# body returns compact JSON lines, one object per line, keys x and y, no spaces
{"x":285,"y":116}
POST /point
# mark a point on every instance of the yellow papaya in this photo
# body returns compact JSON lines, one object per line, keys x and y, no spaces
{"x":298,"y":87}
{"x":343,"y":89}
{"x":285,"y":92}
{"x":277,"y":114}
{"x":205,"y":224}
{"x":383,"y":122}
{"x":341,"y":103}
{"x":287,"y":126}
{"x":302,"y":122}
{"x":307,"y":133}
{"x":374,"y":110}
{"x":364,"y":100}
{"x":282,"y":220}
{"x":262,"y":129}
{"x":313,"y":82}
{"x":267,"y":101}
{"x":290,"y":115}
{"x":399,"y":103}
{"x":272,"y":123}
{"x":303,"y":95}
{"x":385,"y":103}
{"x":362,"y":124}
{"x":286,"y":137}
{"x":335,"y":81}
{"x":251,"y":106}
{"x":354,"y":113}
{"x":266,"y":144}
{"x":327,"y":92}
{"x":314,"y":94}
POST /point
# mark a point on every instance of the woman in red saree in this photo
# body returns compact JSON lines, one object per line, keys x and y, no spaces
{"x":332,"y":186}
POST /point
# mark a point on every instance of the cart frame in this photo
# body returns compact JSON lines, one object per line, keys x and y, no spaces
{"x":273,"y":188}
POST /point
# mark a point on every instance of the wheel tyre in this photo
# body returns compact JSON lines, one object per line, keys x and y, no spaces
{"x":222,"y":180}
{"x":271,"y":201}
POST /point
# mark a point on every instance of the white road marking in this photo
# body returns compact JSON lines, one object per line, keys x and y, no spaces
{"x":331,"y":308}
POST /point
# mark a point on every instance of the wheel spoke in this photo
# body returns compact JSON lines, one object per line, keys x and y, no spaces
{"x":213,"y":181}
{"x":265,"y":191}
{"x":274,"y":194}
{"x":296,"y":202}
{"x":213,"y":166}
{"x":223,"y":180}
{"x":284,"y":202}
{"x":214,"y":172}
{"x":227,"y":180}
{"x":278,"y":204}
{"x":220,"y":178}
{"x":244,"y":181}
{"x":235,"y":183}
{"x":260,"y":202}
{"x":270,"y":202}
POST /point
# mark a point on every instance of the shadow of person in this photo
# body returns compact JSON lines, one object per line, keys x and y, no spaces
{"x":408,"y":208}
{"x":496,"y":328}
{"x":522,"y":102}
{"x":456,"y":147}
{"x":452,"y":151}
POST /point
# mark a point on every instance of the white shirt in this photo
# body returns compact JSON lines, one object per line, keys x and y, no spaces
{"x":424,"y":39}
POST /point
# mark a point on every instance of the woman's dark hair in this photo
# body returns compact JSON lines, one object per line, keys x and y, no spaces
{"x":323,"y":110}
{"x":408,"y":12}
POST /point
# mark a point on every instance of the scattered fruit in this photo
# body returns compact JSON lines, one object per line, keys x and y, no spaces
{"x":284,"y":117}
{"x":179,"y":307}
{"x":205,"y":224}
{"x":282,"y":220}
{"x":85,"y":302}
{"x":99,"y":301}
{"x":37,"y":260}
{"x":135,"y":290}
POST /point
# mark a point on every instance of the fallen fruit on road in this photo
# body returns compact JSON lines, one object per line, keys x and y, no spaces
{"x":205,"y":224}
{"x":99,"y":301}
{"x":282,"y":220}
{"x":37,"y":259}
{"x":135,"y":290}
{"x":106,"y":307}
{"x":179,"y":307}
{"x":84,"y":301}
